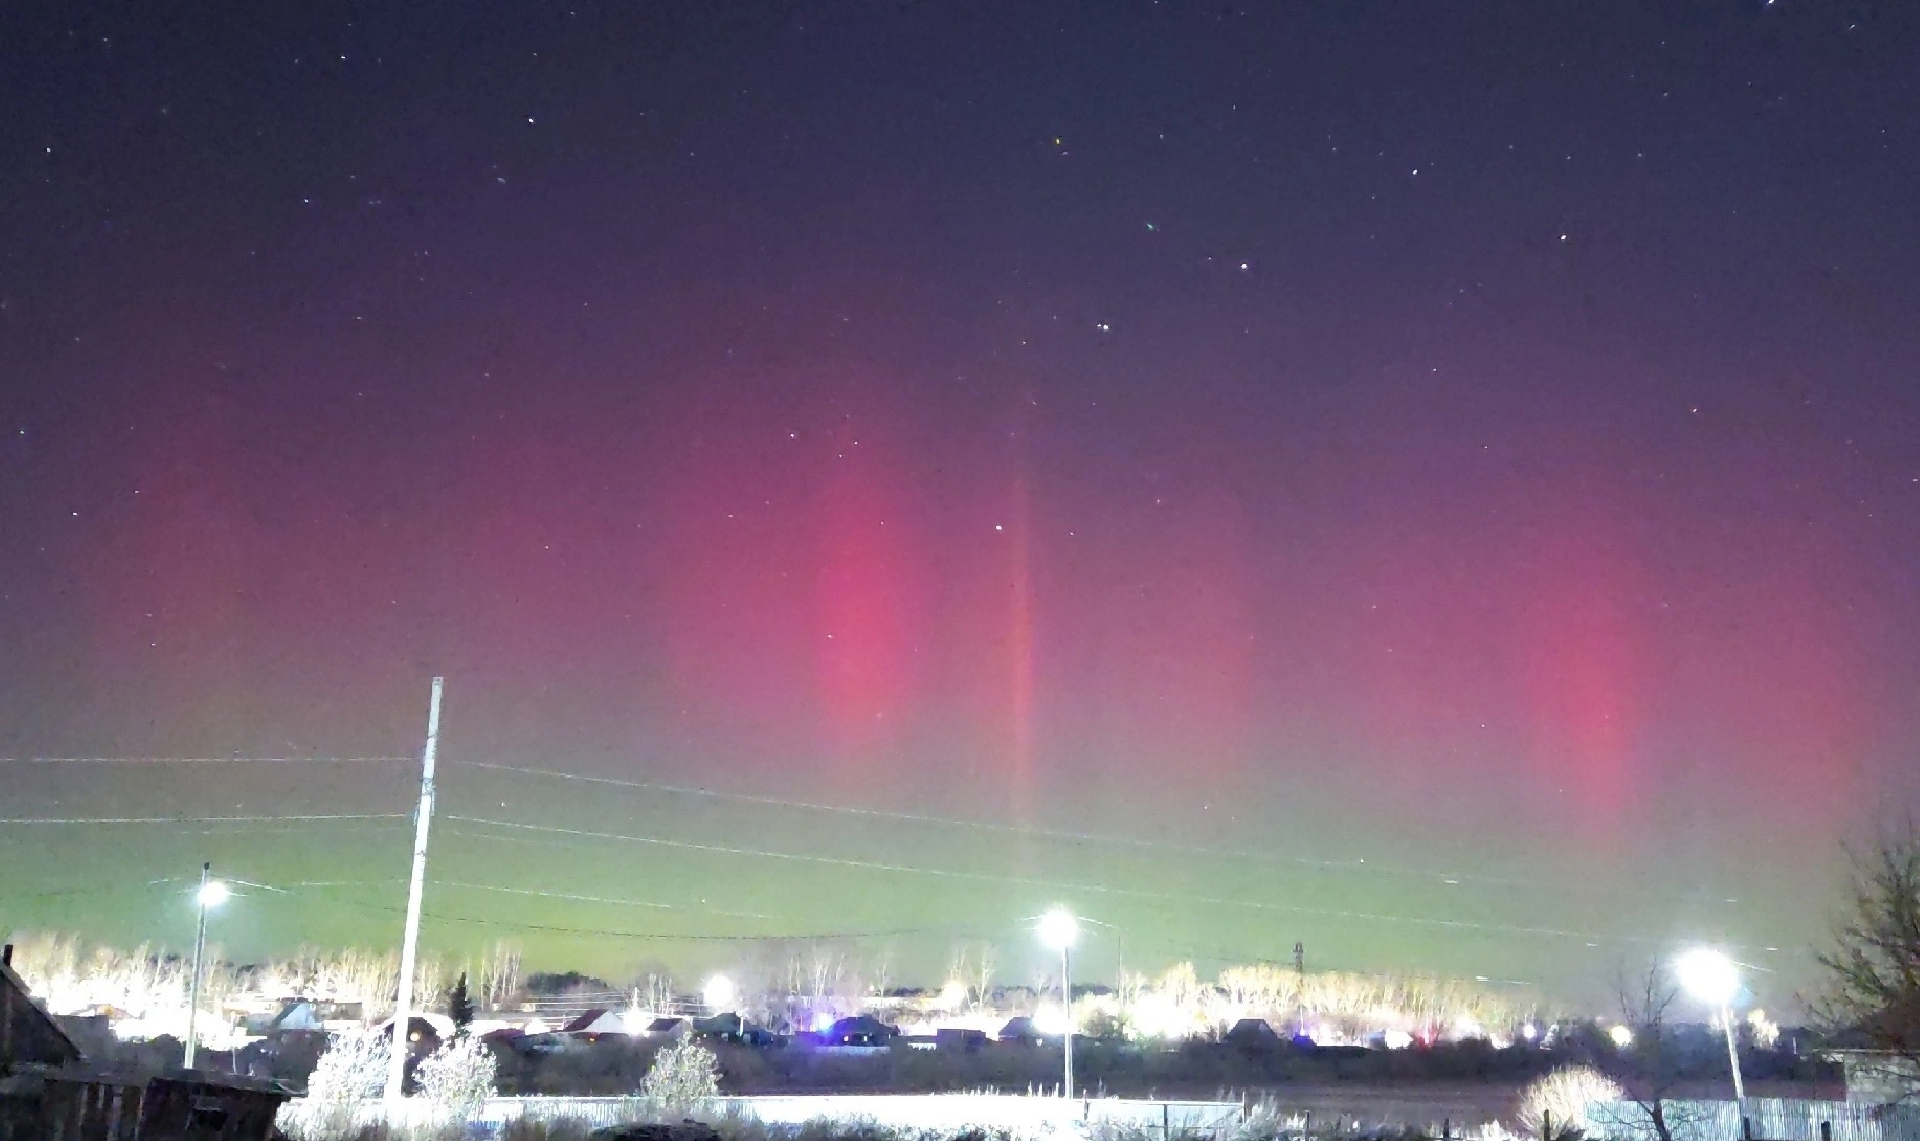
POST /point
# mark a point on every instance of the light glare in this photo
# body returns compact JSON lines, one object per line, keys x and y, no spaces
{"x":1059,"y":929}
{"x":1708,"y":975}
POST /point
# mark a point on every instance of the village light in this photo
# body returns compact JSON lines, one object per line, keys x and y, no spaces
{"x":1714,"y":979}
{"x":719,"y":993}
{"x":1622,"y":1037}
{"x":1060,"y":930}
{"x":212,"y":893}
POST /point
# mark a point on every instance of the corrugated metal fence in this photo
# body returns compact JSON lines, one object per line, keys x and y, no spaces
{"x":1767,"y":1119}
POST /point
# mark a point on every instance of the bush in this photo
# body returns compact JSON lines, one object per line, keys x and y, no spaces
{"x":1559,"y":1101}
{"x":683,"y":1081}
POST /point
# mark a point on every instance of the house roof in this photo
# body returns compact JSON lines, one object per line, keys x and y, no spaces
{"x":584,"y":1021}
{"x":26,"y":1026}
{"x":212,"y":1079}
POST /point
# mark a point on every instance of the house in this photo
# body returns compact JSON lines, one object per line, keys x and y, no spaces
{"x":425,"y":1032}
{"x":597,"y":1020}
{"x":1253,"y":1035}
{"x":293,"y":1015}
{"x":1877,"y":1077}
{"x":961,"y":1039}
{"x":861,"y":1030}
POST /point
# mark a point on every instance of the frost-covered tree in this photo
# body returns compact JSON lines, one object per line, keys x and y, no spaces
{"x":353,"y":1071}
{"x":1558,"y":1102}
{"x":457,"y":1079}
{"x":683,"y":1081}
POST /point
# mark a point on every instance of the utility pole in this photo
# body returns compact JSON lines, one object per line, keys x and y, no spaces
{"x":1300,"y":976}
{"x":1066,"y":996}
{"x":202,"y":897}
{"x":416,"y":885}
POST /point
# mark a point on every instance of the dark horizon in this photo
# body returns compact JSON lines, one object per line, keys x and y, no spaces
{"x":1438,"y":485}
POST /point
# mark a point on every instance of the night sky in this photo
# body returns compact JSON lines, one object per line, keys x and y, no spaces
{"x":1167,"y":454}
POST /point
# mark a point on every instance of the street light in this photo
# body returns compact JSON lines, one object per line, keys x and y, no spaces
{"x":212,"y":893}
{"x":719,"y":993}
{"x":1714,"y":979}
{"x":1060,"y":930}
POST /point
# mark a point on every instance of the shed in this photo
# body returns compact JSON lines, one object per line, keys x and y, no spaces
{"x":48,"y":1093}
{"x":180,"y":1105}
{"x":28,"y":1034}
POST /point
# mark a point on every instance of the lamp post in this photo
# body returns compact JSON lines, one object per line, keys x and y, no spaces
{"x":1714,"y":979}
{"x":212,"y":893}
{"x":1059,"y":930}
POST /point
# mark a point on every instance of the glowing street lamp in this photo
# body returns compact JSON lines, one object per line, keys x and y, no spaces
{"x":1060,"y":930}
{"x":212,"y":893}
{"x":1714,"y":979}
{"x":719,"y":994}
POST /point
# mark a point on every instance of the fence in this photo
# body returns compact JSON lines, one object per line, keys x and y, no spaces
{"x":1766,"y":1119}
{"x":1021,"y":1114}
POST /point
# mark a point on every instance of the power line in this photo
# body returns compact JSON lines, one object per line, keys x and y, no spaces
{"x":69,"y":892}
{"x":598,"y":899}
{"x":305,"y":818}
{"x":670,"y":936}
{"x":199,"y":760}
{"x":1356,"y":865}
{"x":1063,"y":885}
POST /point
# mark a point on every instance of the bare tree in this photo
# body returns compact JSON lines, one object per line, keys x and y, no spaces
{"x":1646,"y":1005}
{"x":1872,"y":992}
{"x":500,"y":975}
{"x":983,"y":964}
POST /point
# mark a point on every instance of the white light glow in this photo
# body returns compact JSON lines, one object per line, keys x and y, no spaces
{"x":1622,"y":1037}
{"x":213,"y":893}
{"x":1708,"y":975}
{"x":1059,"y":929}
{"x":1050,"y":1019}
{"x":719,"y":993}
